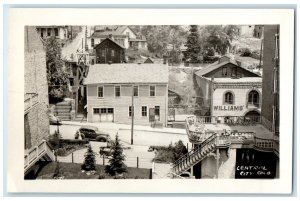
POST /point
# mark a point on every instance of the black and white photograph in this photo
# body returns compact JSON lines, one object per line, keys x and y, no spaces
{"x":192,"y":102}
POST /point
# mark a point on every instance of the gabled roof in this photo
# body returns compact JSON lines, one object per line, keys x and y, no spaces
{"x":127,"y":74}
{"x":215,"y":66}
{"x":105,"y":34}
{"x":121,"y":29}
{"x":111,"y":41}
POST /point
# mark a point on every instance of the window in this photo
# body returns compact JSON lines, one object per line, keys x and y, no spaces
{"x":103,"y":53}
{"x":56,"y":32}
{"x":117,"y":91}
{"x":152,"y":90}
{"x":136,"y":91}
{"x":42,"y":33}
{"x":110,"y":110}
{"x":224,"y":71}
{"x":157,"y":113}
{"x":92,"y":42}
{"x":100,"y":91}
{"x":103,"y":110}
{"x":130,"y":111}
{"x":228,"y":98}
{"x":96,"y":110}
{"x":234,"y":71}
{"x":112,"y":53}
{"x":253,"y":98}
{"x":74,"y":70}
{"x":71,"y":81}
{"x":48,"y":32}
{"x":144,"y":111}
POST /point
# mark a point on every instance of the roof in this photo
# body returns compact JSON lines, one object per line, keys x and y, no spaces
{"x":215,"y":66}
{"x":111,"y":41}
{"x":105,"y":34}
{"x":238,"y":80}
{"x":127,"y":73}
{"x":136,"y":39}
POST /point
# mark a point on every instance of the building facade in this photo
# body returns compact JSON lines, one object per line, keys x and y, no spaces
{"x":112,"y":90}
{"x":36,"y":103}
{"x":270,"y":86}
{"x":226,"y":89}
{"x":259,"y":31}
{"x":60,"y":32}
{"x":123,"y":35}
{"x":108,"y":51}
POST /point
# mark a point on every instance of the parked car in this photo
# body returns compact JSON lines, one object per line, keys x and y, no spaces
{"x":92,"y":133}
{"x":53,"y":120}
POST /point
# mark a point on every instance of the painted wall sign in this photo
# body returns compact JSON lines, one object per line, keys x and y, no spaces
{"x":228,"y":108}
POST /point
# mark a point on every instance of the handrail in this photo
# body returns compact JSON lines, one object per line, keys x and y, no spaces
{"x":36,"y":153}
{"x":30,"y":102}
{"x":230,"y":120}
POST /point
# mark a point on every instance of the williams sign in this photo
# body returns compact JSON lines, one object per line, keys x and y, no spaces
{"x":228,"y":108}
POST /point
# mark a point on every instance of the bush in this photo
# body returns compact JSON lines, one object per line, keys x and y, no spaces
{"x":54,"y":140}
{"x":101,"y":176}
{"x":61,"y":151}
{"x":246,"y":53}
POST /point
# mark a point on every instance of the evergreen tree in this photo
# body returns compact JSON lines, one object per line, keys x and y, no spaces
{"x":116,"y":164}
{"x":193,"y":45}
{"x":89,"y":160}
{"x":56,"y":75}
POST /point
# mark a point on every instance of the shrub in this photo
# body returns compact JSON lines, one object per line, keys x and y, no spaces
{"x":101,"y":176}
{"x":246,"y":53}
{"x":54,"y":140}
{"x":89,"y":160}
{"x":61,"y":151}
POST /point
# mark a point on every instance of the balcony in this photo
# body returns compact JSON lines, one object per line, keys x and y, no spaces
{"x":239,"y":130}
{"x":31,"y":100}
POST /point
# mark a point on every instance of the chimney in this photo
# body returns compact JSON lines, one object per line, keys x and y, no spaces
{"x":110,"y":36}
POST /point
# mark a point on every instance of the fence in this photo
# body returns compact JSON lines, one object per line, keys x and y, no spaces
{"x":136,"y":162}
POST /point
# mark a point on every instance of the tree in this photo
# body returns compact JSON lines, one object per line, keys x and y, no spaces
{"x":116,"y":164}
{"x":56,"y":75}
{"x":193,"y":45}
{"x":89,"y":160}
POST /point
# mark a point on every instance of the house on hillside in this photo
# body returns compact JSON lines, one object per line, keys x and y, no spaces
{"x":226,"y":89}
{"x":258,"y":31}
{"x":123,"y":35}
{"x":246,"y":30}
{"x":112,"y":89}
{"x":61,"y":33}
{"x":108,"y":51}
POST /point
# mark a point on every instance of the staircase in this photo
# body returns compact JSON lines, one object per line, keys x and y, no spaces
{"x":196,"y":155}
{"x":40,"y":152}
{"x":63,"y":110}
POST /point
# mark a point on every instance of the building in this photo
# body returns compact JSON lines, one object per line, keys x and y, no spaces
{"x":36,"y":103}
{"x":259,"y":31}
{"x":246,"y":30}
{"x":226,"y":89}
{"x":112,"y":89}
{"x":270,"y":87}
{"x":59,"y":32}
{"x":123,"y":35}
{"x":108,"y":51}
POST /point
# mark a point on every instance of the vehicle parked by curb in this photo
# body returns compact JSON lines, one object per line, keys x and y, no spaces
{"x":92,"y":133}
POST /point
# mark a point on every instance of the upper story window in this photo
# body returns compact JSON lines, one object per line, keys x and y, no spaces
{"x":92,"y":42}
{"x":103,"y":53}
{"x":253,"y":98}
{"x":130,"y":111}
{"x":224,"y":71}
{"x":234,"y":71}
{"x":48,"y":32}
{"x":56,"y":32}
{"x":136,"y":91}
{"x":100,"y":91}
{"x":228,"y":98}
{"x":112,"y":53}
{"x":42,"y":33}
{"x":152,"y":90}
{"x":117,"y":91}
{"x":144,"y":111}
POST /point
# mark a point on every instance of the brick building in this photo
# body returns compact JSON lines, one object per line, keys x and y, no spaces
{"x":111,"y":88}
{"x":226,"y":89}
{"x":36,"y":120}
{"x":270,"y":82}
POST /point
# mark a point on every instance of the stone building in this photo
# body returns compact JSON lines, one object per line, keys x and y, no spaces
{"x":36,"y":120}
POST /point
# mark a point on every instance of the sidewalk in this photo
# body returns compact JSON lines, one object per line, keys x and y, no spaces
{"x":127,"y":127}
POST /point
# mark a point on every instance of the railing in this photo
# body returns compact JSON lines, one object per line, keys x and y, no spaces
{"x":229,"y":120}
{"x":193,"y":156}
{"x":36,"y":153}
{"x":265,"y":144}
{"x":31,"y":101}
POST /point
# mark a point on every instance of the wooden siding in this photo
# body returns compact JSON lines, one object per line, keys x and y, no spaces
{"x":122,"y":103}
{"x":240,"y":72}
{"x":104,"y":52}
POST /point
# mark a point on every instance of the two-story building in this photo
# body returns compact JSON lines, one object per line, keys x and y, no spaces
{"x":226,"y":89}
{"x":115,"y":92}
{"x":123,"y":35}
{"x":61,"y":33}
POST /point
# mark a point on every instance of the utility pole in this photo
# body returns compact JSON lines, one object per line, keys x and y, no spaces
{"x":132,"y":114}
{"x":260,"y":55}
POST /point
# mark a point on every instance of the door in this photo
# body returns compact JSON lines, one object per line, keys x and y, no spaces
{"x":157,"y":113}
{"x":110,"y":114}
{"x":107,"y":115}
{"x":96,"y":114}
{"x":103,"y":115}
